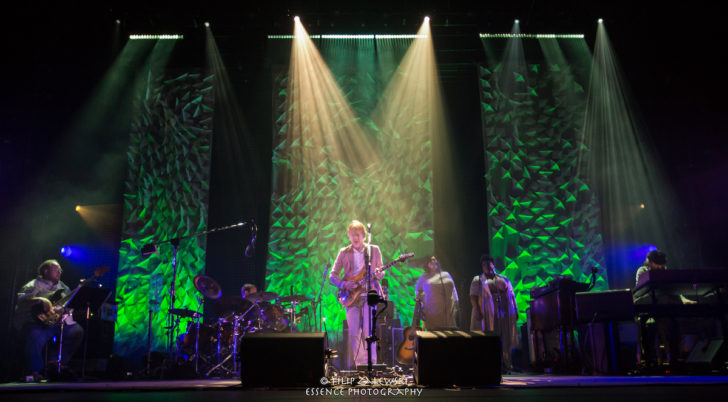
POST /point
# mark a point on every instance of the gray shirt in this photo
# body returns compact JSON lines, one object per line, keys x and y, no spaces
{"x":38,"y":287}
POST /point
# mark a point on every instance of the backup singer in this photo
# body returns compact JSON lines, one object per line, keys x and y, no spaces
{"x":47,"y":285}
{"x":441,"y":297}
{"x":494,"y":307}
{"x":352,"y":260}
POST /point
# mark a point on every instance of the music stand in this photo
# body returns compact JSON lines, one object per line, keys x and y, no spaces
{"x":89,"y":298}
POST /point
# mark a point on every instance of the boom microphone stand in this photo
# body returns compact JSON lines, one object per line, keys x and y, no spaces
{"x":317,"y":303}
{"x":151,"y":248}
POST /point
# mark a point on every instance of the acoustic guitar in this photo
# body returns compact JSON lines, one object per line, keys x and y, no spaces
{"x":50,"y":313}
{"x":348,"y":297}
{"x":406,"y":349}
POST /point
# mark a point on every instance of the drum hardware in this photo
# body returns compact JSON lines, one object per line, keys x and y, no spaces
{"x":152,"y":248}
{"x":293,"y":317}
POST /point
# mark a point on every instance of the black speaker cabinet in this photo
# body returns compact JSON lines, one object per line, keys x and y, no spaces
{"x":463,"y":358}
{"x":282,"y":359}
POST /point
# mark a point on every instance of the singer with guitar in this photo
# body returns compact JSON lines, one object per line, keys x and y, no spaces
{"x":34,"y":312}
{"x":352,"y":260}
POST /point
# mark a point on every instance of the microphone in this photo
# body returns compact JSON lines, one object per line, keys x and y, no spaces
{"x":250,"y":248}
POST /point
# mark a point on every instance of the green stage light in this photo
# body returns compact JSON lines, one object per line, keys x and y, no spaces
{"x":530,"y":36}
{"x":378,"y":36}
{"x":347,"y":36}
{"x":155,"y":37}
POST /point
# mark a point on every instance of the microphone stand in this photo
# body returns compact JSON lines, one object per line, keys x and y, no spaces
{"x":372,"y":307}
{"x":151,"y":248}
{"x":317,"y":302}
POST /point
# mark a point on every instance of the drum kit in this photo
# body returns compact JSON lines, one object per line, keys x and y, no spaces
{"x":214,"y":342}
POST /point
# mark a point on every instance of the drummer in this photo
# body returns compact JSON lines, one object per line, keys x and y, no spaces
{"x":248,"y":289}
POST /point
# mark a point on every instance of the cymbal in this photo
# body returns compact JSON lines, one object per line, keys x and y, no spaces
{"x":262,"y":296}
{"x":208,"y":287}
{"x":294,"y":298}
{"x":183,"y":312}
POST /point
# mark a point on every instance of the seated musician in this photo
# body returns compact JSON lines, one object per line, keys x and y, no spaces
{"x":352,"y":260}
{"x":659,"y":335}
{"x":655,"y":259}
{"x":248,"y":289}
{"x":33,"y":300}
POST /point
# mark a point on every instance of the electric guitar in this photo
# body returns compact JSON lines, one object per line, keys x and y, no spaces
{"x":50,"y":313}
{"x":348,"y":297}
{"x":406,"y":349}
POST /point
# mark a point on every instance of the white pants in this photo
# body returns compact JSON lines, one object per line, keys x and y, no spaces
{"x":357,"y":318}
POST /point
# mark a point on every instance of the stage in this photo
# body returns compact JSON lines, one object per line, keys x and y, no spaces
{"x":513,"y":387}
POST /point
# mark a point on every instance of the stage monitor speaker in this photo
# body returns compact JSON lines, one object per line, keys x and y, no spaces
{"x":462,"y":358}
{"x":282,"y":359}
{"x":707,"y":352}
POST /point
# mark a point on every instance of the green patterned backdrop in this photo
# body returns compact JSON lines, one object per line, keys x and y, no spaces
{"x":544,"y":218}
{"x":165,"y":196}
{"x":316,"y":193}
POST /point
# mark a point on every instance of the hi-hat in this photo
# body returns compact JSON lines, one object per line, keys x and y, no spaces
{"x":208,"y":287}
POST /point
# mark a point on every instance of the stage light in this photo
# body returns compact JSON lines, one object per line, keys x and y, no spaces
{"x":66,"y":251}
{"x":207,"y":24}
{"x":427,"y":19}
{"x":78,"y":208}
{"x":347,"y":36}
{"x":532,"y":36}
{"x":600,"y":20}
{"x":118,"y":22}
{"x":642,"y":206}
{"x":516,"y":21}
{"x":154,"y":37}
{"x":296,"y":19}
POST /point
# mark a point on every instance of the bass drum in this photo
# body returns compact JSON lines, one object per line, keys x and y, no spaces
{"x":207,"y":342}
{"x":274,"y":320}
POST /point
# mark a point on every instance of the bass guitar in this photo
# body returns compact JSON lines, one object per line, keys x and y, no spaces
{"x":348,"y":297}
{"x":50,"y":313}
{"x":406,"y":349}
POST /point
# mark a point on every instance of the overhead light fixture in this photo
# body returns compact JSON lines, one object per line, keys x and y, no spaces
{"x":533,"y":36}
{"x":155,"y":37}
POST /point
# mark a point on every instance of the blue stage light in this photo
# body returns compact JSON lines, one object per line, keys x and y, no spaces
{"x":66,"y":251}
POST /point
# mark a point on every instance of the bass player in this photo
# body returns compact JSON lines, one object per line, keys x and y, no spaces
{"x":34,"y":303}
{"x":352,"y":260}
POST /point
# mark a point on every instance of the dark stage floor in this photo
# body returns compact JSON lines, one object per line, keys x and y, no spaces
{"x":513,"y":388}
